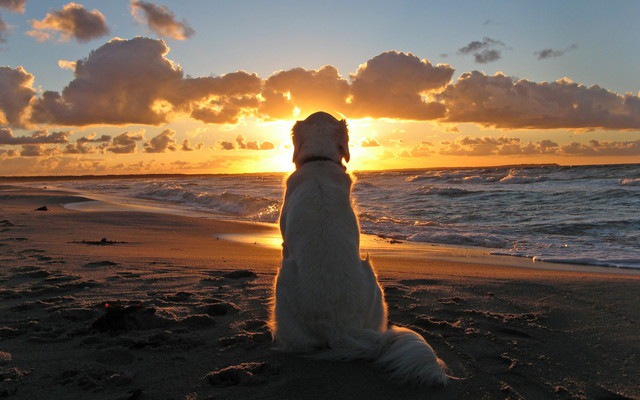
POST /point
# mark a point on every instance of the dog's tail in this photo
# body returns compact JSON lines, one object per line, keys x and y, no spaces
{"x":400,"y":351}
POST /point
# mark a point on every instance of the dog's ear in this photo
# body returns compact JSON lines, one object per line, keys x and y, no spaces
{"x":344,"y":140}
{"x":296,"y":140}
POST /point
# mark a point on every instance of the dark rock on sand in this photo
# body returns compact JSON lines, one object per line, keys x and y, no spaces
{"x":136,"y":317}
{"x":99,"y":264}
{"x":220,"y":309}
{"x":240,"y":274}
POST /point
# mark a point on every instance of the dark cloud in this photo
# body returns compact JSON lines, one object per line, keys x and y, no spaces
{"x":83,"y":148}
{"x":502,"y":102}
{"x":397,"y":85}
{"x":161,"y":20}
{"x":93,"y":139}
{"x":8,"y":153}
{"x":162,"y":143}
{"x":16,"y":86}
{"x":84,"y":145}
{"x":186,"y":146}
{"x":254,"y":145}
{"x":125,"y":143}
{"x":241,"y":144}
{"x":13,"y":5}
{"x":551,"y":53}
{"x":486,"y":51}
{"x":38,"y":150}
{"x":227,"y":145}
{"x":38,"y":137}
{"x":73,"y":21}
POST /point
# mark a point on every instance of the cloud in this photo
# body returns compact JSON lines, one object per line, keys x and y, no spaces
{"x":222,"y":99}
{"x":551,"y":53}
{"x":38,"y":137}
{"x":132,"y":82}
{"x":84,"y":145}
{"x":227,"y":145}
{"x":398,"y":85}
{"x":240,"y":140}
{"x":484,"y":146}
{"x":93,"y":139}
{"x":9,"y":153}
{"x":38,"y":150}
{"x":599,"y":148}
{"x":424,"y":149}
{"x":510,"y":146}
{"x":369,"y":143}
{"x":162,"y":143}
{"x":306,"y":90}
{"x":486,"y":51}
{"x":502,"y":102}
{"x":241,"y":144}
{"x":126,"y":143}
{"x":119,"y":83}
{"x":160,"y":20}
{"x":16,"y":86}
{"x":66,"y":64}
{"x":186,"y":146}
{"x":72,"y":22}
{"x":13,"y":5}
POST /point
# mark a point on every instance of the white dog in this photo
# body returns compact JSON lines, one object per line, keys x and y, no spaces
{"x":327,"y":299}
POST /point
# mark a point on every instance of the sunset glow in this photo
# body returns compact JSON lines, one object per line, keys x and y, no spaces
{"x":183,"y":87}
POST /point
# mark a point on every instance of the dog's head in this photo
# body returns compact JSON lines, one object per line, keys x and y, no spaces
{"x":320,"y":136}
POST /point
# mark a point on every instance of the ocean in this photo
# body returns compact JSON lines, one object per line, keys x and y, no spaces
{"x":586,"y":215}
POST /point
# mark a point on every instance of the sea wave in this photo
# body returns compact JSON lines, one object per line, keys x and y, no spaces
{"x":515,"y":177}
{"x":225,"y":203}
{"x":442,"y":191}
{"x":461,"y":238}
{"x":629,"y":182}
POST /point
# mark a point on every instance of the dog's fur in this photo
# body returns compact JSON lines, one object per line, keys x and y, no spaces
{"x":327,"y":299}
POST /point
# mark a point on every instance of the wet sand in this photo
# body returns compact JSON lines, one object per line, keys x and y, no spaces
{"x":119,"y":304}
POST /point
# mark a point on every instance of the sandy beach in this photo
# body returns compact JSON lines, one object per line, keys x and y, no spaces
{"x":133,"y":305}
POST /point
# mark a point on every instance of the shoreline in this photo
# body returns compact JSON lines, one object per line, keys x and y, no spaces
{"x":94,"y":202}
{"x":164,"y":307}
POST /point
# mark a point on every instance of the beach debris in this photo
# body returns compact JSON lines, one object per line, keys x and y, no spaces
{"x":240,"y":274}
{"x":43,"y":208}
{"x":101,"y":242}
{"x":5,"y":357}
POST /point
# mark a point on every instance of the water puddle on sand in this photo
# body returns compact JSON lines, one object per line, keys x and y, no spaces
{"x":269,"y":239}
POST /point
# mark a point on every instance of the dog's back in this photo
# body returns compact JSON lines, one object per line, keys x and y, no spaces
{"x":323,"y":284}
{"x":326,"y":297}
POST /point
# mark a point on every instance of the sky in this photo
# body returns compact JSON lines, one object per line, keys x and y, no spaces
{"x":200,"y":86}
